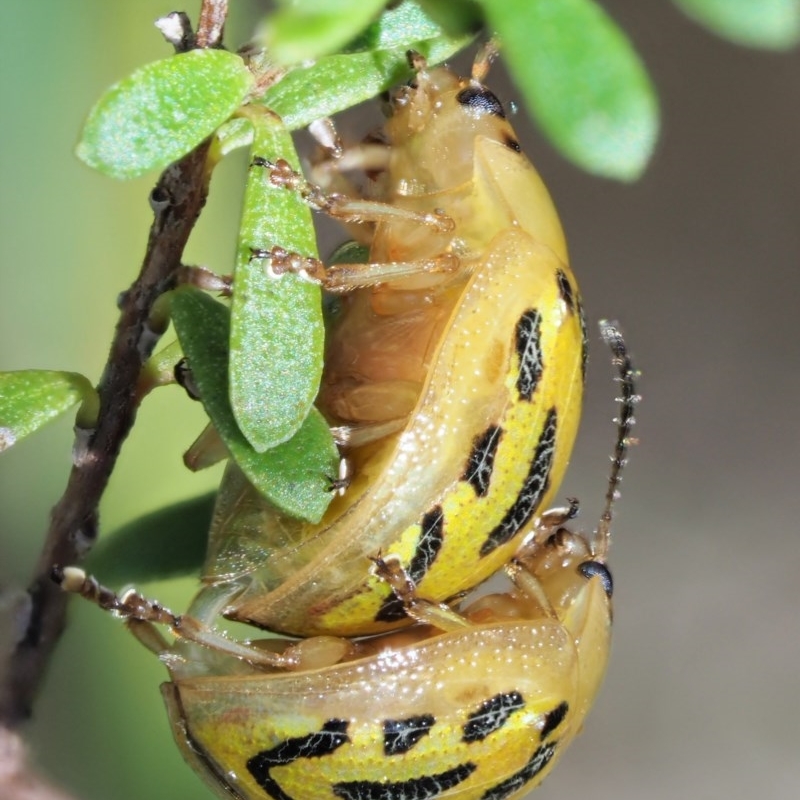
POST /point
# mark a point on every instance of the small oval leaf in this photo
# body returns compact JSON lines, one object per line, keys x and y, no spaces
{"x":771,"y":24}
{"x":294,"y":476}
{"x":376,"y":62}
{"x":304,"y":29}
{"x":31,"y":398}
{"x":167,"y":543}
{"x":277,"y":333}
{"x":161,"y":111}
{"x":583,"y":81}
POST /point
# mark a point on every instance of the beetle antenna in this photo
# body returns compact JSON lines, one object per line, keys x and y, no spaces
{"x":625,"y":421}
{"x":483,"y":60}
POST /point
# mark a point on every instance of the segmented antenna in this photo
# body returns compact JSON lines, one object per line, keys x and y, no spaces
{"x":624,"y":422}
{"x":483,"y":60}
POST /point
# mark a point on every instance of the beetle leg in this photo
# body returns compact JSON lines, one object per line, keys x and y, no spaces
{"x":370,"y":158}
{"x":548,"y":526}
{"x":324,"y":132}
{"x":529,"y":585}
{"x":438,"y":615}
{"x":355,"y":435}
{"x":206,"y":450}
{"x":148,"y":635}
{"x":330,"y":164}
{"x":206,"y":279}
{"x":557,"y":517}
{"x":344,"y":207}
{"x":144,"y":614}
{"x":347,"y":277}
{"x":371,"y":155}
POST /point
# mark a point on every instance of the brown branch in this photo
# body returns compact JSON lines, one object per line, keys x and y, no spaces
{"x":212,"y":23}
{"x":17,"y":782}
{"x":177,"y":200}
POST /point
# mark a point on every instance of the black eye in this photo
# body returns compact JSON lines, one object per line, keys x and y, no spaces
{"x":481,"y":100}
{"x":592,"y":569}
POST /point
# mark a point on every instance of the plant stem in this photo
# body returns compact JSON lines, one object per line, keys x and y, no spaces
{"x":17,"y":781}
{"x":212,"y":23}
{"x":177,"y":200}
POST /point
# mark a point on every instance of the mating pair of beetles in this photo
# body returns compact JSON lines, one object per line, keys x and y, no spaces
{"x":454,"y":373}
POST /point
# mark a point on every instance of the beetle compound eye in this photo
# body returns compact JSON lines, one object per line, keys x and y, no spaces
{"x":481,"y":100}
{"x":591,"y":569}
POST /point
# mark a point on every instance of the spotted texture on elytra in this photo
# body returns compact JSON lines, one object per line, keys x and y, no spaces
{"x":527,"y":501}
{"x":428,"y":546}
{"x":481,"y":459}
{"x":529,"y":350}
{"x":400,"y":735}
{"x":553,"y":719}
{"x":491,"y":716}
{"x":320,"y":743}
{"x":481,"y":100}
{"x":413,"y":789}
{"x":537,"y":762}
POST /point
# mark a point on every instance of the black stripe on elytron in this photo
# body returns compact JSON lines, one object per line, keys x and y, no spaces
{"x":320,"y":743}
{"x":430,"y":542}
{"x":537,"y":762}
{"x":427,"y":786}
{"x":481,"y":459}
{"x":491,"y":716}
{"x":584,"y":340}
{"x":529,"y":350}
{"x":400,"y":735}
{"x":565,"y":289}
{"x":552,"y":719}
{"x":527,"y":501}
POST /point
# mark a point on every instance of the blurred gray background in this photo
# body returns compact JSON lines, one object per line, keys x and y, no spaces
{"x":699,"y":262}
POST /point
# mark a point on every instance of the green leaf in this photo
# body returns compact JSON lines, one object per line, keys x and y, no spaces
{"x":306,"y":29}
{"x":583,"y":81}
{"x":167,"y":543}
{"x":161,"y":111}
{"x":338,"y":82}
{"x":771,"y":24}
{"x":420,"y":20}
{"x":294,"y":476}
{"x":233,"y":134}
{"x":31,"y":398}
{"x":277,"y":334}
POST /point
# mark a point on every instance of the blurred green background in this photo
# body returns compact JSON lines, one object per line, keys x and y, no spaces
{"x":700,"y":262}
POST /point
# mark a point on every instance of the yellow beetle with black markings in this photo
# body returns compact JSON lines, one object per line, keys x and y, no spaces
{"x":476,"y":705}
{"x":455,"y":363}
